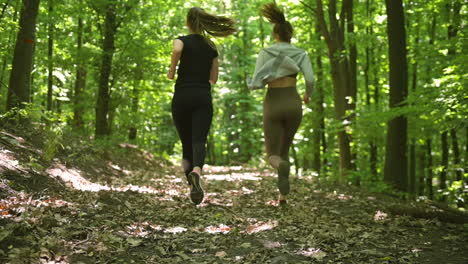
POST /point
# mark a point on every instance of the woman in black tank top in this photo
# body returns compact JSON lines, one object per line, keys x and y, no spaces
{"x":192,"y":108}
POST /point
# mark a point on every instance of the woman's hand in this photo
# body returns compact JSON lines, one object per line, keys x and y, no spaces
{"x":306,"y":99}
{"x":170,"y":75}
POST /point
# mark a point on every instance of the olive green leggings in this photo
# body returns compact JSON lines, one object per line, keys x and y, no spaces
{"x":282,"y":114}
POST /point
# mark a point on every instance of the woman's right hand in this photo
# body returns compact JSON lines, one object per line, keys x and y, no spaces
{"x":170,"y":75}
{"x":306,"y":99}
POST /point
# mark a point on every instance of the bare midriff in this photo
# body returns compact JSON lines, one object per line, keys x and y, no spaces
{"x":282,"y":82}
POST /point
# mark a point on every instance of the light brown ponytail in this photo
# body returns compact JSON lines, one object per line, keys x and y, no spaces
{"x":202,"y":22}
{"x":275,"y":16}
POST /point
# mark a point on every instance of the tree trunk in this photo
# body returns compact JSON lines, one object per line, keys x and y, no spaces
{"x":6,"y":58}
{"x":135,"y":101}
{"x":319,"y":127}
{"x":444,"y":164}
{"x":80,"y":81}
{"x":340,"y":71}
{"x":50,"y":53}
{"x":414,"y":83}
{"x":452,"y":33}
{"x":352,"y":86}
{"x":370,"y":61}
{"x":456,"y":155}
{"x":429,"y":189}
{"x":466,"y":156}
{"x":102,"y":105}
{"x":396,"y":164}
{"x":20,"y":78}
{"x":421,"y":164}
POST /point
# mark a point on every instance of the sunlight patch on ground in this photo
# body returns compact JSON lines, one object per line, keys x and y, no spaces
{"x":315,"y":253}
{"x":270,"y":244}
{"x":249,"y":176}
{"x":13,"y":206}
{"x":260,"y":226}
{"x":220,"y":229}
{"x":142,"y":229}
{"x":341,"y":196}
{"x":242,"y":191}
{"x":74,"y":179}
{"x":175,"y":230}
{"x":379,"y":216}
{"x":8,"y":161}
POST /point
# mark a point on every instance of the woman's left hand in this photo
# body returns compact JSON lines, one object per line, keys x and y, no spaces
{"x":306,"y":99}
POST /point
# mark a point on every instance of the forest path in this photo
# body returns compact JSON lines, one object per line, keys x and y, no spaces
{"x":145,"y":216}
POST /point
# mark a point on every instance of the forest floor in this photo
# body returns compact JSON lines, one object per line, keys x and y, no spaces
{"x":120,"y":204}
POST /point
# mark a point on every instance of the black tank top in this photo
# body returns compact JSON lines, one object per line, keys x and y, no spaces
{"x":195,"y":61}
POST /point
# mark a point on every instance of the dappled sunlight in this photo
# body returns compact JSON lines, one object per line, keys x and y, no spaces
{"x":315,"y":253}
{"x":341,"y":196}
{"x":216,"y":199}
{"x":260,"y":226}
{"x":270,"y":244}
{"x":144,"y":229}
{"x":8,"y":161}
{"x":220,"y":229}
{"x":242,"y":191}
{"x":379,"y":216}
{"x":74,"y":179}
{"x":16,"y":205}
{"x":274,"y":203}
{"x":175,"y":230}
{"x":249,"y":176}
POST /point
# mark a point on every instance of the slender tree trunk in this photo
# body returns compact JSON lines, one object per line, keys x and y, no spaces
{"x":318,"y":131}
{"x":429,"y":189}
{"x":396,"y":164}
{"x":414,"y":83}
{"x":456,"y":155}
{"x":102,"y":105}
{"x":421,"y":164}
{"x":132,"y":135}
{"x":20,"y":78}
{"x":444,"y":164}
{"x":6,"y":57}
{"x":80,"y":81}
{"x":466,"y":155}
{"x":50,"y":53}
{"x":452,"y":33}
{"x":340,"y":71}
{"x":352,"y":86}
{"x":370,"y":61}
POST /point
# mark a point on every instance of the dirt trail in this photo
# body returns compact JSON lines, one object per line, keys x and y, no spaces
{"x":114,"y":212}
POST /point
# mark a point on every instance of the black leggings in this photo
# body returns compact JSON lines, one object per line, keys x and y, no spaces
{"x":282,"y":114}
{"x":192,"y":112}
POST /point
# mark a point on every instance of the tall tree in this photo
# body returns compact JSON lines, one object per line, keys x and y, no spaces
{"x":108,"y":49}
{"x":370,"y":60}
{"x":132,"y":134}
{"x":344,"y":95}
{"x":20,"y":78}
{"x":81,"y":72}
{"x":414,"y":83}
{"x":396,"y":164}
{"x":318,"y":134}
{"x":50,"y":52}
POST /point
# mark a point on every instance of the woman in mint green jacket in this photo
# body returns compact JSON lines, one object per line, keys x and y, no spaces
{"x":277,"y":67}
